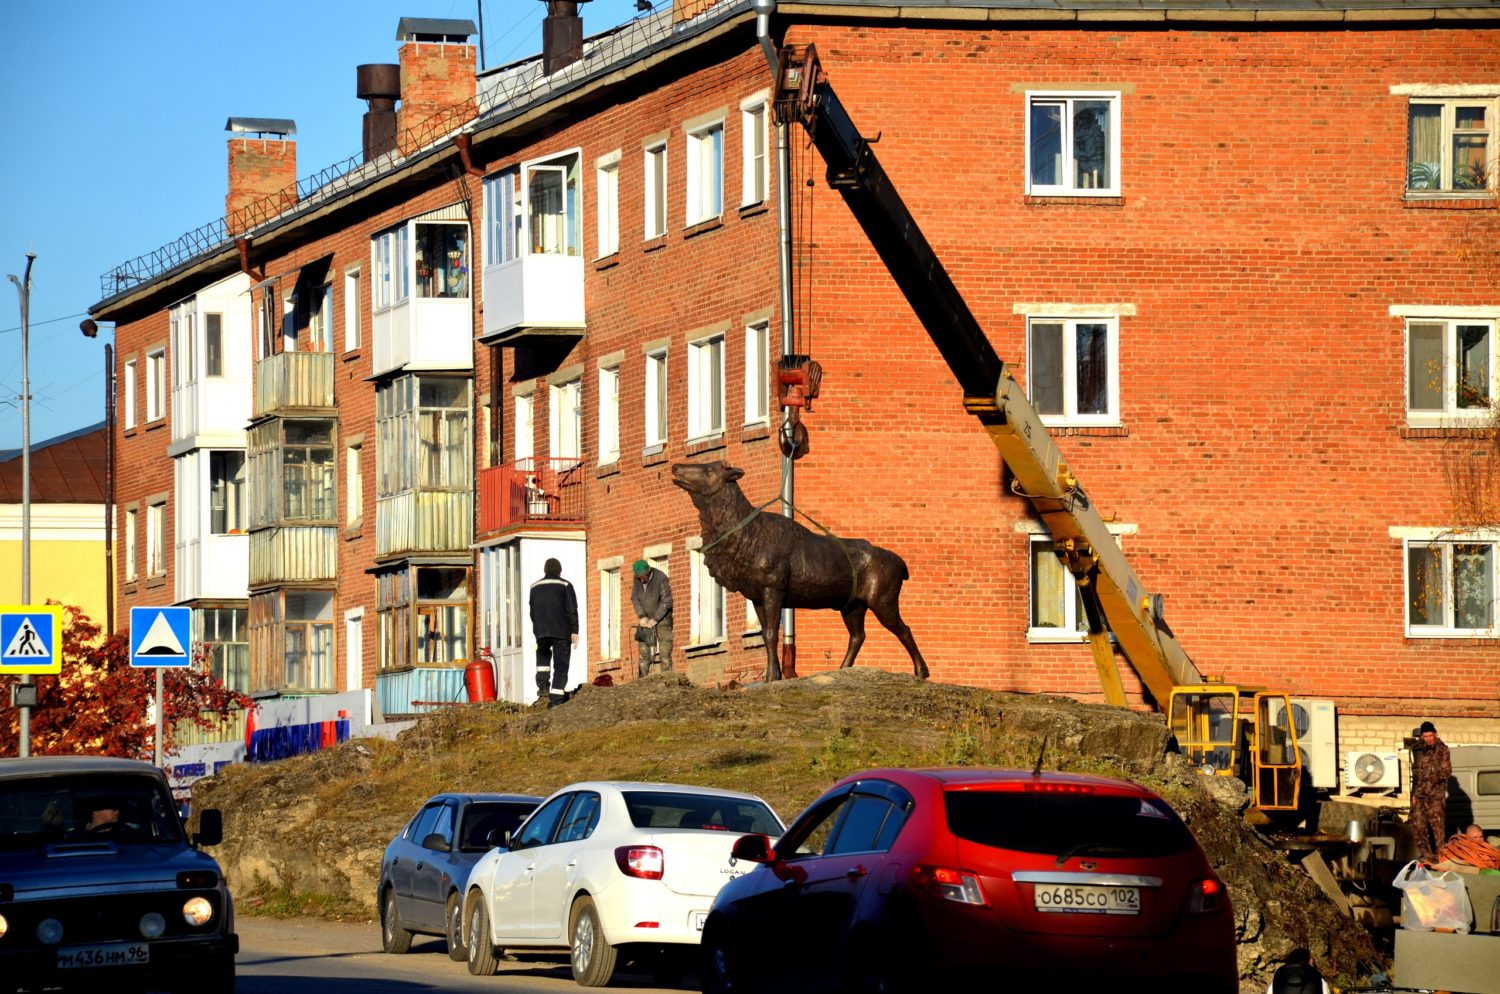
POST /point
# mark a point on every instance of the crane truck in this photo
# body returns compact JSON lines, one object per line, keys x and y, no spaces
{"x":1223,"y":728}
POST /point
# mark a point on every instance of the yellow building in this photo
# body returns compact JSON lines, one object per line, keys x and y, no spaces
{"x":67,"y":522}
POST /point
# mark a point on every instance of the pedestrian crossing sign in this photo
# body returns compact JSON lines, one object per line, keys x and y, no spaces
{"x":30,"y":639}
{"x":160,"y":636}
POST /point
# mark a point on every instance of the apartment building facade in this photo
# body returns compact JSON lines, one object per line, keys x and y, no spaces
{"x":1236,"y":254}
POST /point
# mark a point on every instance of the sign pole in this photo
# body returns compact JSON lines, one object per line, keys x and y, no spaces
{"x":161,"y":705}
{"x":23,"y":287}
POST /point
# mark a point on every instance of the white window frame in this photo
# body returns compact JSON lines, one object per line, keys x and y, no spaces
{"x":127,"y":397}
{"x":607,"y":185}
{"x":156,"y":385}
{"x":1451,"y":320}
{"x":1446,"y":543}
{"x":655,"y":418}
{"x":1070,"y":415}
{"x":354,"y":482}
{"x":755,"y":158}
{"x":213,"y":328}
{"x":758,"y":373}
{"x":352,"y":327}
{"x":654,"y":161}
{"x":131,"y":543}
{"x":1065,"y":167}
{"x":1448,"y":104}
{"x":524,"y":447}
{"x":609,"y":612}
{"x":156,"y":539}
{"x":705,"y":366}
{"x":565,"y":420}
{"x":504,"y":220}
{"x":390,"y":260}
{"x":708,"y":616}
{"x":609,"y":414}
{"x":704,"y":155}
{"x":183,"y":324}
{"x":1075,"y":623}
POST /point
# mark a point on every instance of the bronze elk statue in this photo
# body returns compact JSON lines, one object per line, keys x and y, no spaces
{"x":777,"y":562}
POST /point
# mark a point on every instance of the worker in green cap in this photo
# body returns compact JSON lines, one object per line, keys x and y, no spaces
{"x":651,"y":596}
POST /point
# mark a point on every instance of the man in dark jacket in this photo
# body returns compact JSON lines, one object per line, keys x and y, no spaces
{"x":554,"y":622}
{"x":1298,"y":976}
{"x":1429,"y":790}
{"x":651,"y":596}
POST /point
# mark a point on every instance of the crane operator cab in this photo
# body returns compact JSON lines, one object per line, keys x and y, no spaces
{"x":1233,"y":731}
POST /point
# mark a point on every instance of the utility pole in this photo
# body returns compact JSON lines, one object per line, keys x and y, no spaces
{"x":23,"y":287}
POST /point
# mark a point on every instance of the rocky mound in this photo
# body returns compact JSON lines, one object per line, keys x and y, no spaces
{"x":315,"y":826}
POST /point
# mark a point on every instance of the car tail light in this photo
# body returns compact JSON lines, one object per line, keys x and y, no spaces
{"x":197,"y":879}
{"x":1204,"y":896}
{"x":646,"y":862}
{"x":1047,"y":787}
{"x":949,"y":884}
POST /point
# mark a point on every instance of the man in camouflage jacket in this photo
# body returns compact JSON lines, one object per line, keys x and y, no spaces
{"x":1429,"y":791}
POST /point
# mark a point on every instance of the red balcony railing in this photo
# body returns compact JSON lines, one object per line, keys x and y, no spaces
{"x":531,"y":492}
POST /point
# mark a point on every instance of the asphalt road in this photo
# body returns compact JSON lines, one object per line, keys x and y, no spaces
{"x":307,"y":956}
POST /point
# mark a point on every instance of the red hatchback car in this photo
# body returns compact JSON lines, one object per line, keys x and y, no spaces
{"x":918,"y":880}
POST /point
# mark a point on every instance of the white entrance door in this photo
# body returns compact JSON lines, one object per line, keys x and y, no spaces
{"x":354,"y":648}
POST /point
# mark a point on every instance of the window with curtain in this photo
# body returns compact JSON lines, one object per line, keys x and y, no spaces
{"x":441,"y":257}
{"x":422,"y":434}
{"x":1451,"y":370}
{"x":755,"y":173}
{"x":1056,"y":612}
{"x":706,"y":387}
{"x":442,"y":614}
{"x":1450,"y":588}
{"x":1072,"y":373}
{"x":609,"y":415}
{"x":656,"y":397}
{"x":609,"y":613}
{"x":607,"y":183}
{"x":655,"y":157}
{"x":565,"y":421}
{"x":1072,"y":144}
{"x":552,"y":208}
{"x":705,"y":173}
{"x":224,"y":634}
{"x":708,"y":602}
{"x":1451,"y":145}
{"x":757,"y":373}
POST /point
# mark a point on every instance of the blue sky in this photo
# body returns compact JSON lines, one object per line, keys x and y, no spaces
{"x":115,"y":142}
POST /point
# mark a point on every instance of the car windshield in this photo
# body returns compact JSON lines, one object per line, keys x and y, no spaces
{"x":115,"y":807}
{"x":484,"y":817}
{"x":1075,"y":824}
{"x":662,"y":809}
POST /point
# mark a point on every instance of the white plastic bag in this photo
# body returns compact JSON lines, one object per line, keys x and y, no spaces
{"x":1432,"y":900}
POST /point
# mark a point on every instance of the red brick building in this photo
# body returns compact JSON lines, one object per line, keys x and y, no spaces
{"x":1242,"y":257}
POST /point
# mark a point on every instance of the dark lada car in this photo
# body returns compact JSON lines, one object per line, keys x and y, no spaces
{"x":100,"y":886}
{"x":424,"y":869}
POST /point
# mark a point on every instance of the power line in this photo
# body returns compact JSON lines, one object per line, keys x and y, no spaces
{"x":65,"y":317}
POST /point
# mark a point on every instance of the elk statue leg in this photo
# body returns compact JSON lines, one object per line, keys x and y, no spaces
{"x":854,"y":620}
{"x":888,"y":612}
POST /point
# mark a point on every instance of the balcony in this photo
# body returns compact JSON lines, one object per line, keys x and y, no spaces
{"x":424,"y":521}
{"x":532,"y":492}
{"x":291,"y":381}
{"x":293,"y":553}
{"x":531,"y":298}
{"x":424,"y":333}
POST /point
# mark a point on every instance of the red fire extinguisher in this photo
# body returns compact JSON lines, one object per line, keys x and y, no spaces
{"x":479,"y":680}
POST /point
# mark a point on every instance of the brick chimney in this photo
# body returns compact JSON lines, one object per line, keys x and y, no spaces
{"x":562,"y":35}
{"x":380,"y":86}
{"x":262,"y":165}
{"x":437,"y":78}
{"x":682,"y":10}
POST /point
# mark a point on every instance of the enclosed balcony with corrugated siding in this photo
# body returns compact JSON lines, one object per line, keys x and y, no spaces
{"x":294,"y":381}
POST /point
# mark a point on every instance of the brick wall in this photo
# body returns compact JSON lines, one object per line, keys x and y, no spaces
{"x":434,"y":78}
{"x":143,"y":469}
{"x":259,"y":168}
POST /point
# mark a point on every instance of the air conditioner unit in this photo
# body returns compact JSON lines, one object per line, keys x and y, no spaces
{"x":1317,"y":740}
{"x":1374,"y":770}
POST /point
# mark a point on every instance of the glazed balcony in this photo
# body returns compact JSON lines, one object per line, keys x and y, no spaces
{"x":294,"y":381}
{"x":531,"y":492}
{"x":533,"y":298}
{"x":294,"y":554}
{"x":424,"y":521}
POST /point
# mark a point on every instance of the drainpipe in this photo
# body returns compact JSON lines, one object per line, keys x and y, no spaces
{"x":787,"y":665}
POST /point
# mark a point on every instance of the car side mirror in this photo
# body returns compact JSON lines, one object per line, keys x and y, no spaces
{"x":752,"y":848}
{"x":498,"y":838}
{"x":210,"y":828}
{"x":437,"y":842}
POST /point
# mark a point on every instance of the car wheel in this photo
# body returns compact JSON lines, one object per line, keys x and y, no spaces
{"x":593,"y":958}
{"x":483,"y":957}
{"x":453,"y":920}
{"x":217,"y":978}
{"x":394,"y":937}
{"x":720,"y":967}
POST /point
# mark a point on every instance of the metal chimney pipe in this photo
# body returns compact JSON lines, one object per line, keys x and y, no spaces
{"x":380,"y":85}
{"x":562,"y":35}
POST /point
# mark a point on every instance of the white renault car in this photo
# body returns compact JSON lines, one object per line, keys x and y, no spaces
{"x":605,"y":869}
